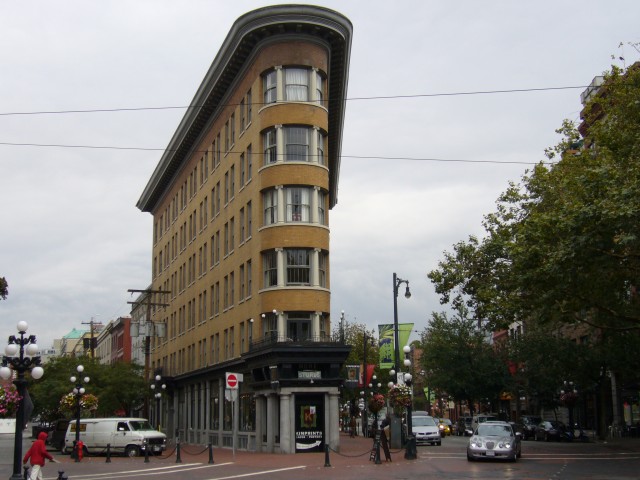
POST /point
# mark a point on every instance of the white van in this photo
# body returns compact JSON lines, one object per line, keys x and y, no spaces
{"x":481,"y":418}
{"x":125,"y":435}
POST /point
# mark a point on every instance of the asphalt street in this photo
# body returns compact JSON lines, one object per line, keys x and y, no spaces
{"x":540,"y":460}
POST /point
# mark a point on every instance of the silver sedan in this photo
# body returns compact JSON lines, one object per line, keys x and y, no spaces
{"x":494,"y":440}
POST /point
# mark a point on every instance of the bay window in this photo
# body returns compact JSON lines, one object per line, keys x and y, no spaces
{"x":296,"y":84}
{"x":298,"y":204}
{"x":270,"y":200}
{"x":296,"y":144}
{"x":298,"y":267}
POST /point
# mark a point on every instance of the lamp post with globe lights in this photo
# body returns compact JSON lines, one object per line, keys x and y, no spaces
{"x":21,"y":356}
{"x":411,"y":451}
{"x":78,"y":391}
{"x":158,"y":387}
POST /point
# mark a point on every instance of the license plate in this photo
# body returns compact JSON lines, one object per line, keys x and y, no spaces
{"x":156,"y":448}
{"x":490,"y":453}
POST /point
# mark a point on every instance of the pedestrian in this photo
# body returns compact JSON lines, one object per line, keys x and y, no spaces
{"x":385,"y":425}
{"x":352,"y":427}
{"x":37,"y":453}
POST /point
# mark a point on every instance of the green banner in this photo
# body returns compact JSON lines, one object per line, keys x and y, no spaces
{"x":386,"y":343}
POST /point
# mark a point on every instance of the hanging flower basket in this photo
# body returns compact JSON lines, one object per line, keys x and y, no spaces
{"x":400,"y":396}
{"x":88,"y":404}
{"x":376,"y":403}
{"x":9,"y":401}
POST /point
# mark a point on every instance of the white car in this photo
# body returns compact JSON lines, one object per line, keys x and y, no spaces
{"x":425,"y":429}
{"x":494,"y":440}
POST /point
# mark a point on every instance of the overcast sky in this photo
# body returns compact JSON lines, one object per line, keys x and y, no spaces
{"x":72,"y":241}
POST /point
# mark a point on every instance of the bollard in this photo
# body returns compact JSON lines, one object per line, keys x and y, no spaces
{"x":178,"y":459}
{"x":108,"y":453}
{"x":146,"y":453}
{"x":377,"y":458}
{"x":210,"y":454}
{"x":326,"y":456}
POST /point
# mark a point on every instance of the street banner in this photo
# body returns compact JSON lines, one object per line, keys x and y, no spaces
{"x":386,"y":342}
{"x":370,"y":371}
{"x":353,"y":376}
{"x":385,"y":345}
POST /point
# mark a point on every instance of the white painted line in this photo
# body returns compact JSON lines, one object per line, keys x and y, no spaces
{"x":266,"y":472}
{"x":153,"y":471}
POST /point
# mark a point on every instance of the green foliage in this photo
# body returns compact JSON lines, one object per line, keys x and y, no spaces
{"x":563,"y":246}
{"x":458,"y":359}
{"x":4,"y":288}
{"x":119,"y":387}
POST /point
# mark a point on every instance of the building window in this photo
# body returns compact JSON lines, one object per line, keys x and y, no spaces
{"x":270,"y":262}
{"x":322,"y":269}
{"x":321,"y":208}
{"x":242,"y":116}
{"x":270,"y":87}
{"x":320,"y":148}
{"x":270,"y":150}
{"x":248,"y":278}
{"x":319,"y":88}
{"x":298,"y":204}
{"x":298,"y":267}
{"x":296,"y":144}
{"x":296,"y":84}
{"x":249,"y":107}
{"x":270,"y":199}
{"x":249,"y":222}
{"x":249,"y":163}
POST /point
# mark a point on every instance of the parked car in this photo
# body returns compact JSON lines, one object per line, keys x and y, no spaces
{"x":482,"y":417}
{"x":550,"y":430}
{"x":426,"y":430}
{"x":527,"y":425}
{"x":494,"y":439}
{"x":464,"y":426}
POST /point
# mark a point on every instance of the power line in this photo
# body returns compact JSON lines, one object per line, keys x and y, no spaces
{"x":355,"y":157}
{"x":380,"y":97}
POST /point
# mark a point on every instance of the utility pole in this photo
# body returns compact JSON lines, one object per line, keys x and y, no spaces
{"x":147,"y":341}
{"x":92,"y":342}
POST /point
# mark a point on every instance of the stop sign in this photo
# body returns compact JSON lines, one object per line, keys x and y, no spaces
{"x":232,"y":381}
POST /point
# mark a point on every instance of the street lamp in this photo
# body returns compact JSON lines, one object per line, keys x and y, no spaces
{"x":568,"y":396}
{"x":78,"y":392}
{"x":157,"y":387}
{"x":21,"y":355}
{"x":396,"y":285}
{"x":411,"y":452}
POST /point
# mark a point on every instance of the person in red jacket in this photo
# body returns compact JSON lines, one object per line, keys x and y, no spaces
{"x":37,"y":453}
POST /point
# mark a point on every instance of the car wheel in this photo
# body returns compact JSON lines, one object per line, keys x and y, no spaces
{"x":470,"y":458}
{"x":439,"y":443}
{"x":132,"y":451}
{"x":546,"y":437}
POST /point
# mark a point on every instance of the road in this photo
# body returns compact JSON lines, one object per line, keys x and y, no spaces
{"x":540,"y":460}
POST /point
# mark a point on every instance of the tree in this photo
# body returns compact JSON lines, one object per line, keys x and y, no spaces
{"x":563,"y":245}
{"x":458,"y":359}
{"x":4,"y":288}
{"x":119,"y":387}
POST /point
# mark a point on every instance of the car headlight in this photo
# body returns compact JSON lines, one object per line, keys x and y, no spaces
{"x":505,"y":445}
{"x":476,"y":443}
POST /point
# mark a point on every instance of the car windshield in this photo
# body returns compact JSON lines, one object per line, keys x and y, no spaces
{"x":485,"y":430}
{"x":140,"y":425}
{"x":423,"y":422}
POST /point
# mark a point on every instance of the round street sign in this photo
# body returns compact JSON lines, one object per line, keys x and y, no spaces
{"x":232,"y":380}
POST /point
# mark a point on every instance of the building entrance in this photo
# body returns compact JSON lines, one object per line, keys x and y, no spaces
{"x":309,"y":413}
